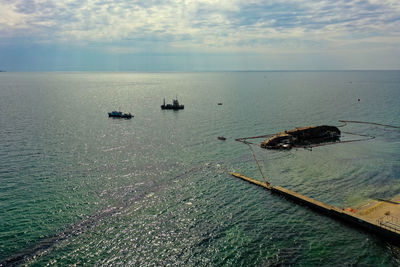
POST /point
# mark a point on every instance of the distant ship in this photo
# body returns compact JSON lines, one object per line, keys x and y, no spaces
{"x":119,"y":114}
{"x":175,"y":105}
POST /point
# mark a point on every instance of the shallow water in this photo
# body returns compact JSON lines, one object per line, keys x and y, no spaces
{"x":79,"y":187}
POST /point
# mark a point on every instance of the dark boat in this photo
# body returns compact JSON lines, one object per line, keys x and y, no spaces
{"x":175,"y":105}
{"x":119,"y":114}
{"x":219,"y":104}
{"x":221,"y":138}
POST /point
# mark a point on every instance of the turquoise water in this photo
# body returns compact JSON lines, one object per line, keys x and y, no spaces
{"x":77,"y":187}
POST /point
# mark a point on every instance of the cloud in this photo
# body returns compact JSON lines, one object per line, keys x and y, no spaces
{"x":206,"y":26}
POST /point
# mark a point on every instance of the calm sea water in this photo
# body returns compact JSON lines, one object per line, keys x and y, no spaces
{"x":77,"y":187}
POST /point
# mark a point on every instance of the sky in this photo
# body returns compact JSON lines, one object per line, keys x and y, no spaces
{"x":202,"y":35}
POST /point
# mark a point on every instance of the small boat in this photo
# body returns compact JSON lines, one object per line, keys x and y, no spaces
{"x":175,"y":105}
{"x":119,"y":114}
{"x":219,"y":104}
{"x":221,"y":138}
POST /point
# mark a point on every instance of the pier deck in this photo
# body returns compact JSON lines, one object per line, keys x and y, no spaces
{"x":386,"y":227}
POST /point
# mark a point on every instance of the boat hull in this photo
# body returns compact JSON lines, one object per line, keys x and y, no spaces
{"x":124,"y":116}
{"x":173,"y":107}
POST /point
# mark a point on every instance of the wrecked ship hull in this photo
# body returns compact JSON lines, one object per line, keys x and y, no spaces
{"x":303,"y":136}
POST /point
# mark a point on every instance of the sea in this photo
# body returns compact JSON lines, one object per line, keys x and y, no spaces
{"x":79,"y":188}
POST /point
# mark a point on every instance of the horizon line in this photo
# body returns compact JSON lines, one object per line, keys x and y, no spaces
{"x":194,"y":71}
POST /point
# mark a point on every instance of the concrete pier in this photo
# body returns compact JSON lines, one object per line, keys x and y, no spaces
{"x":386,"y":227}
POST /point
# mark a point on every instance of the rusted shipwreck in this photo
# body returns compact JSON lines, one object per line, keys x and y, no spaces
{"x":301,"y":137}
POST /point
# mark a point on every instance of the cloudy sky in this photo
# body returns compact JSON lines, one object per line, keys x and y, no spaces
{"x":202,"y":35}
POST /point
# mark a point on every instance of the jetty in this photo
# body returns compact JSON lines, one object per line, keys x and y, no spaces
{"x":378,"y":217}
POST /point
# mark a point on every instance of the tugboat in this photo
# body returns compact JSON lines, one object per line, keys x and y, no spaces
{"x":175,"y":105}
{"x":119,"y":114}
